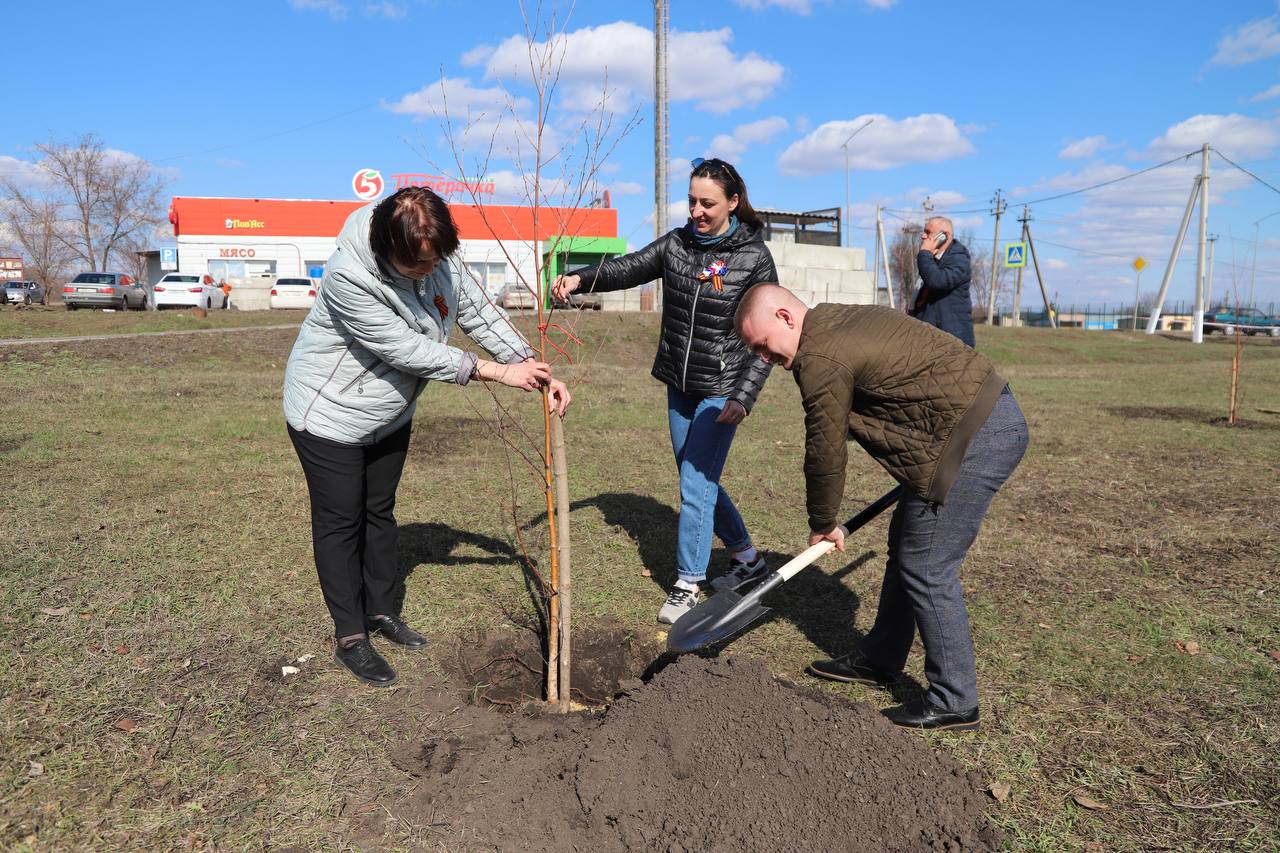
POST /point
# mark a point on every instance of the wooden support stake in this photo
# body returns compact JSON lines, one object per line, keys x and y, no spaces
{"x":563,"y":596}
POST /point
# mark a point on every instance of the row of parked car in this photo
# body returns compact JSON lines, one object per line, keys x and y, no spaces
{"x":121,"y":292}
{"x":199,"y":290}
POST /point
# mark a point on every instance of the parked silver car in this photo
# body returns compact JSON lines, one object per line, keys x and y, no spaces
{"x":104,"y":290}
{"x":25,"y":293}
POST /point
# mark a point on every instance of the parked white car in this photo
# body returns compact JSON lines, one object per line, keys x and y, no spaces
{"x":188,"y":290}
{"x":293,"y":293}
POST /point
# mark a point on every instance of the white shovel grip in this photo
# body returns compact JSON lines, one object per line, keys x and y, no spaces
{"x":804,"y":558}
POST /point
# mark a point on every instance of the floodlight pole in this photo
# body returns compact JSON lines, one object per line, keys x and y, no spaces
{"x":1197,"y":319}
{"x":660,"y":215}
{"x":848,"y":207}
{"x":1208,"y":279}
{"x":1253,"y":273}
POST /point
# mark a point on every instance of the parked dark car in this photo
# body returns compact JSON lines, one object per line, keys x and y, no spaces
{"x":1251,"y":321}
{"x":104,"y":290}
{"x":25,"y":293}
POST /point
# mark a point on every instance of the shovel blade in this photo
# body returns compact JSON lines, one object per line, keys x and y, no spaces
{"x":718,"y":618}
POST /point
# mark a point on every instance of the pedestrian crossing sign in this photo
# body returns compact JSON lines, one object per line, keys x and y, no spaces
{"x":1015,"y":254}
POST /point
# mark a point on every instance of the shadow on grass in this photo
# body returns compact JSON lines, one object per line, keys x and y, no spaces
{"x":815,"y":601}
{"x":432,"y":543}
{"x":1187,"y":414}
{"x":651,"y":523}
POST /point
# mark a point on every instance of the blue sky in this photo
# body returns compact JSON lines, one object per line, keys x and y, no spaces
{"x":288,"y":98}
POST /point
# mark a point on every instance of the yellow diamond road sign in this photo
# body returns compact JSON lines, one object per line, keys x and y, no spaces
{"x":1140,"y":263}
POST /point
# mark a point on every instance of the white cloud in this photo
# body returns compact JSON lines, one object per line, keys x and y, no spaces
{"x":1238,"y":136}
{"x":800,"y":7}
{"x":459,"y":97}
{"x":614,"y":62}
{"x":21,"y":172}
{"x":1084,"y":148}
{"x":881,"y":4}
{"x":1055,"y":264}
{"x":885,"y":144}
{"x":386,"y":9}
{"x":1248,"y":43}
{"x":1267,"y":94}
{"x":478,"y":55}
{"x":333,"y":8}
{"x":627,"y":188}
{"x":731,"y":146}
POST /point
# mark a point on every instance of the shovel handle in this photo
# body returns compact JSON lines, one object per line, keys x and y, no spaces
{"x":813,"y":552}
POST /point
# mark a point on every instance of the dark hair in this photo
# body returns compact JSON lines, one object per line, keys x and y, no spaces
{"x":731,"y":182}
{"x":406,"y":220}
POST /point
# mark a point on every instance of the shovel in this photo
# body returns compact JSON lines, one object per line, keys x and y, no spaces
{"x":727,"y":612}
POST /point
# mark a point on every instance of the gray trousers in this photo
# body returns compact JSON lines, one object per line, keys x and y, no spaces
{"x":927,"y":544}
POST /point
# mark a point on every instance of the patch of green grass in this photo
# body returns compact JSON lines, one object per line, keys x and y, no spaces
{"x":161,"y":572}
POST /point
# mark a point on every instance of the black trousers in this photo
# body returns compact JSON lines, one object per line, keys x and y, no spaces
{"x":353,"y":523}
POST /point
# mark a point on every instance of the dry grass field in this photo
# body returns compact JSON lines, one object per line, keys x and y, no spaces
{"x":157,"y":573}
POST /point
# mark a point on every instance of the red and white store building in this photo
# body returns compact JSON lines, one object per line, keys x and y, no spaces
{"x":249,"y":242}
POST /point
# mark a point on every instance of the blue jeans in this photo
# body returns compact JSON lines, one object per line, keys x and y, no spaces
{"x":927,"y":544}
{"x":701,"y":446}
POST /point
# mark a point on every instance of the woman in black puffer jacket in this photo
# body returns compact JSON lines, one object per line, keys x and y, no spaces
{"x":712,"y":378}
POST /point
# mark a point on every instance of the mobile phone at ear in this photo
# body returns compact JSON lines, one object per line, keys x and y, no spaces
{"x":940,"y":238}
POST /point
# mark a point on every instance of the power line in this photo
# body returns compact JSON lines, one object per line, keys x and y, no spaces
{"x":264,"y":138}
{"x":1246,"y":171}
{"x":1089,"y":188}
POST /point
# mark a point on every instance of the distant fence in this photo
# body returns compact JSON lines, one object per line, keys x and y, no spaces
{"x":1176,"y":316}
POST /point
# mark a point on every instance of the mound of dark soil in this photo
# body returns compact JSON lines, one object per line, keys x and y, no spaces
{"x":712,"y":754}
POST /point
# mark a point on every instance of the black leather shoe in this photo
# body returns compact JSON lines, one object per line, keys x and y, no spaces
{"x":366,"y":664}
{"x":919,"y":714}
{"x":852,"y":669}
{"x":394,"y":629}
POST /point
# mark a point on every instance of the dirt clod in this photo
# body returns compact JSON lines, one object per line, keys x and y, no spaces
{"x":711,"y":754}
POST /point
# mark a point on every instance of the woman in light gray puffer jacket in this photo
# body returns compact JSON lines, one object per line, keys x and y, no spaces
{"x":377,"y":333}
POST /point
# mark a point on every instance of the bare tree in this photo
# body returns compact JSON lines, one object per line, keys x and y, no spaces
{"x":979,"y":283}
{"x":104,"y":199}
{"x":902,"y":262}
{"x":33,"y":224}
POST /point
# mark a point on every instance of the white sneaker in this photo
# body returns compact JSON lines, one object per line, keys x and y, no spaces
{"x":678,"y":603}
{"x":741,"y":573}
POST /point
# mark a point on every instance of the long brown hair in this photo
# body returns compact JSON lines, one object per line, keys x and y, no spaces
{"x":728,"y":179}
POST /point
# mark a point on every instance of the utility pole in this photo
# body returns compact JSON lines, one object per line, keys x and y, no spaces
{"x":1197,"y":319}
{"x":884,"y":257}
{"x":1208,"y":284}
{"x":1154,"y":319}
{"x":848,"y":209}
{"x":1000,"y":205}
{"x":660,"y":29}
{"x":1044,"y":296}
{"x":1017,"y":286}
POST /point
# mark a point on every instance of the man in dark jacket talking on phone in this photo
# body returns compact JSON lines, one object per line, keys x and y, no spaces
{"x":943,"y":297}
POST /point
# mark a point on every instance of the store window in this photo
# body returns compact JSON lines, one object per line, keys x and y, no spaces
{"x":492,"y":277}
{"x":242,"y":270}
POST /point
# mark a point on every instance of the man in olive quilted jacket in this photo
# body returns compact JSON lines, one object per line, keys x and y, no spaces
{"x":937,"y":417}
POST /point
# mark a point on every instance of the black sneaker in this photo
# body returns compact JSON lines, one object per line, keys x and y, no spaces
{"x":365,"y":663}
{"x":852,"y":669}
{"x":741,"y":574}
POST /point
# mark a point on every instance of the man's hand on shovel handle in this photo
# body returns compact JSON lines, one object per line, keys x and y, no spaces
{"x":835,"y":534}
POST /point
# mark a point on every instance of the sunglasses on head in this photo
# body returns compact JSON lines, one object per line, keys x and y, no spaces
{"x":718,"y":164}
